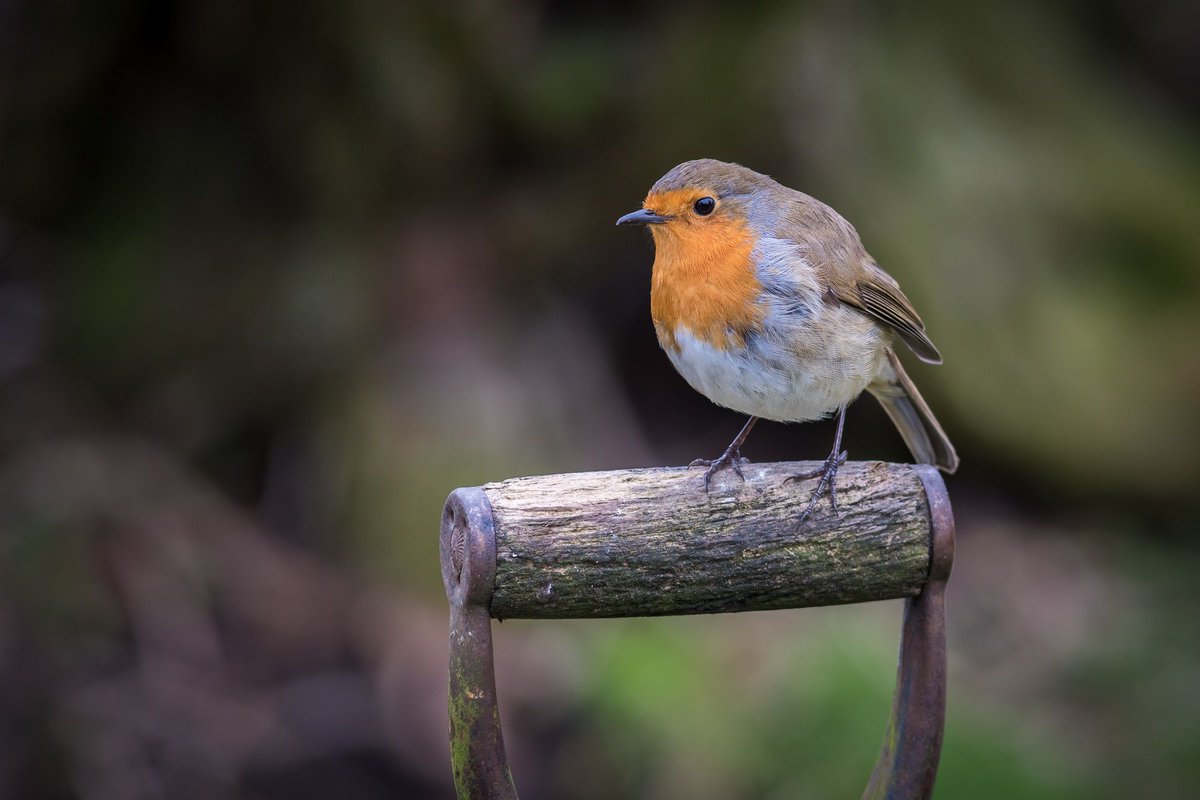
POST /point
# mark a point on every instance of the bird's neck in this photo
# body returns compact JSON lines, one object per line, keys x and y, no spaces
{"x":705,"y":283}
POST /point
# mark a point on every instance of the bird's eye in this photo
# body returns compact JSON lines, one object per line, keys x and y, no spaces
{"x":704,"y":206}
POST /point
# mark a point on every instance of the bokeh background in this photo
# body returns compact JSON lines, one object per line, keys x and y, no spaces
{"x":275,"y":277}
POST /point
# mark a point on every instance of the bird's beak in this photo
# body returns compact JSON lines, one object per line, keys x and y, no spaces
{"x":643,"y":216}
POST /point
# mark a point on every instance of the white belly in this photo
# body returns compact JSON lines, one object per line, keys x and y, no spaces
{"x":808,"y":358}
{"x":799,"y":367}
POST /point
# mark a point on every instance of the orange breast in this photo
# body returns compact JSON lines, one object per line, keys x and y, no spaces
{"x":704,"y":281}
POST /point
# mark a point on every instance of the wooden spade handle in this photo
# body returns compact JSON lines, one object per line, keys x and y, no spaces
{"x":651,"y":541}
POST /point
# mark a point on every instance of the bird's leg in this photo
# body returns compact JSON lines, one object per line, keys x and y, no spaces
{"x":827,"y":472}
{"x":732,"y":457}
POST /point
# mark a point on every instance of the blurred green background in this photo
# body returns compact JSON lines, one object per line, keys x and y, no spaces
{"x":274,"y":278}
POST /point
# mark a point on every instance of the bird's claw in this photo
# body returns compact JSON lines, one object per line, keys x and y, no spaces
{"x":827,"y":472}
{"x":731,"y":458}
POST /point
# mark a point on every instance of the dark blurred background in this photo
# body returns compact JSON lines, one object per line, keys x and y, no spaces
{"x":275,"y":277}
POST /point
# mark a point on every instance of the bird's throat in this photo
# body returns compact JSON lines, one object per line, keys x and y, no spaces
{"x":705,"y":283}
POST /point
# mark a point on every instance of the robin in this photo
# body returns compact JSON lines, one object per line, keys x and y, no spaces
{"x":767,"y":303}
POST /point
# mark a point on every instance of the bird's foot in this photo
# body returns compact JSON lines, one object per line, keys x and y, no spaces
{"x":731,"y":458}
{"x":828,"y":475}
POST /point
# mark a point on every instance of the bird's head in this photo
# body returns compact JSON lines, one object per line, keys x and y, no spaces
{"x":699,"y":201}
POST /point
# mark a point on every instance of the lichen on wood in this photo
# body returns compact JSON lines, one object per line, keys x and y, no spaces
{"x":653,"y":542}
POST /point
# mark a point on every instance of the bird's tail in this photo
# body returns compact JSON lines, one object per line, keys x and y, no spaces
{"x":899,"y":397}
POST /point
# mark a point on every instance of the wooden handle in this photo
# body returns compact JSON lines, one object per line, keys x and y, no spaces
{"x":648,"y":542}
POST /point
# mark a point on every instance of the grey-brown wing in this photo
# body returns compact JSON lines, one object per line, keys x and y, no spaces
{"x":877,"y":294}
{"x":835,"y":250}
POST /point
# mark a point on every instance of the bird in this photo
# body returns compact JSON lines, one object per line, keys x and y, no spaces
{"x":766,"y":302}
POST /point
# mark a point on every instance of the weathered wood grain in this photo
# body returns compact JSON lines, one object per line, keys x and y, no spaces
{"x":650,"y":541}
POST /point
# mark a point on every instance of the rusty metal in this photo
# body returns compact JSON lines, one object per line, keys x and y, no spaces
{"x":907,"y":764}
{"x":468,"y":554}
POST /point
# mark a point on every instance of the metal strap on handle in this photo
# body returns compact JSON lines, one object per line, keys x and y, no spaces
{"x":907,"y":764}
{"x":468,"y":552}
